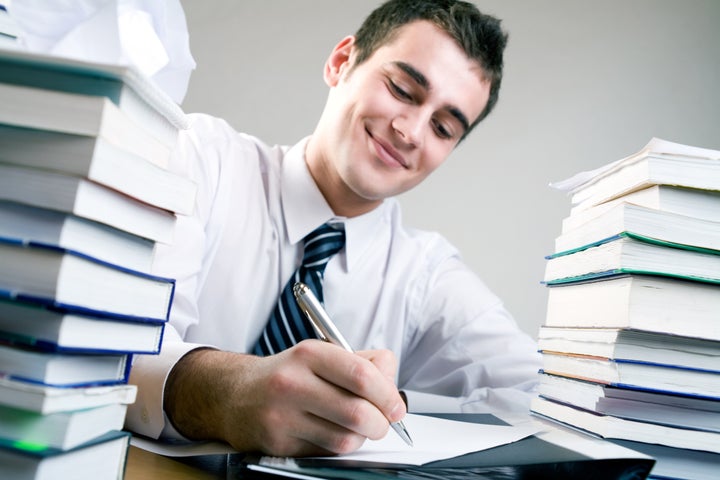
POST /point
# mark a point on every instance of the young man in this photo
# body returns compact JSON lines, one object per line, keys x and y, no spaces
{"x":403,"y":93}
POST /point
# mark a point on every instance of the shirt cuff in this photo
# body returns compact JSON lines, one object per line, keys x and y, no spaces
{"x":150,"y":372}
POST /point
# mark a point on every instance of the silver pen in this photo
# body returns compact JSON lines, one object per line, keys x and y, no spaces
{"x":327,"y":331}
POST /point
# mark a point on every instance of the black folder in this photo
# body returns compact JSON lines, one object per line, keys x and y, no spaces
{"x":530,"y":458}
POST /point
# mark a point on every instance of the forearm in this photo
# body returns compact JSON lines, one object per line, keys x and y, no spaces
{"x":198,"y":391}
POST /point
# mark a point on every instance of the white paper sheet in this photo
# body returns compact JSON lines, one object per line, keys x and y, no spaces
{"x":438,"y":439}
{"x":433,"y":438}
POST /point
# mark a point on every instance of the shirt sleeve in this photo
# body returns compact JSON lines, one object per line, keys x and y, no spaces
{"x":197,"y":156}
{"x":466,"y":352}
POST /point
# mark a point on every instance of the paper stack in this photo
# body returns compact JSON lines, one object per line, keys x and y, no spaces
{"x":85,"y":195}
{"x":631,"y":341}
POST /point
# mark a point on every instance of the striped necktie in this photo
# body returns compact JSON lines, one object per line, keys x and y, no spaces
{"x":288,"y":325}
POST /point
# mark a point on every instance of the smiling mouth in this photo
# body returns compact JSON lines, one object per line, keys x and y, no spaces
{"x":387,"y":153}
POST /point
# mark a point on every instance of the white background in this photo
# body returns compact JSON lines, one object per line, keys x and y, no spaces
{"x":586,"y":83}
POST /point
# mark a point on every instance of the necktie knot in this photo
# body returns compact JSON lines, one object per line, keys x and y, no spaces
{"x":321,"y":244}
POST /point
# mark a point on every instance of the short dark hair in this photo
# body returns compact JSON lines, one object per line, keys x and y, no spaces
{"x":478,"y":34}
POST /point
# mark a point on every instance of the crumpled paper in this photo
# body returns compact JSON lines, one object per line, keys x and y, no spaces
{"x":148,"y":34}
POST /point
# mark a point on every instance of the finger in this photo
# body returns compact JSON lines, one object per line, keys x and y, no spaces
{"x":296,"y":408}
{"x":384,"y":360}
{"x":322,"y":435}
{"x":311,"y":391}
{"x":363,"y":379}
{"x":307,"y":434}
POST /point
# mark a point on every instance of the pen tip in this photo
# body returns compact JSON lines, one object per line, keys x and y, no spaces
{"x":399,"y":427}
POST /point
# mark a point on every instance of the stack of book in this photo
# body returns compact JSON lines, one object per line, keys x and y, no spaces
{"x":85,"y":196}
{"x":631,"y":341}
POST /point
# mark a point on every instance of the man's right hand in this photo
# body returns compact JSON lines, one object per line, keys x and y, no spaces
{"x":312,"y":399}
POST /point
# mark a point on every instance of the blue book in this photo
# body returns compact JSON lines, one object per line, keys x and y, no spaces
{"x":61,"y":330}
{"x":42,"y":367}
{"x":80,"y":283}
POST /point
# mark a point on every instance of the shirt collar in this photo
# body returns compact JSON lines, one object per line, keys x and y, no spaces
{"x":305,"y":207}
{"x":303,"y":204}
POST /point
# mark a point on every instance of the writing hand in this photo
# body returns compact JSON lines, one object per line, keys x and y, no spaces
{"x":312,"y":399}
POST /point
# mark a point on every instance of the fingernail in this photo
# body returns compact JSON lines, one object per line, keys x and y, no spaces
{"x":397,"y":411}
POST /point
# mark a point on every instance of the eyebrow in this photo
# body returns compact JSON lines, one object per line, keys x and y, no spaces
{"x":422,"y":80}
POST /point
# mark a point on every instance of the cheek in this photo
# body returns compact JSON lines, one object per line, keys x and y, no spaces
{"x":436,"y":154}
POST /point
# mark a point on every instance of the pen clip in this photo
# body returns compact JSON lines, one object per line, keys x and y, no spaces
{"x":319,"y":319}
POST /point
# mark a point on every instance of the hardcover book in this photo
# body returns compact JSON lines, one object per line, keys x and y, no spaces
{"x":136,"y":95}
{"x":634,"y":374}
{"x":660,"y":162}
{"x":62,"y":430}
{"x":645,"y":222}
{"x":704,"y":204}
{"x":607,"y":426}
{"x":77,"y":114}
{"x":62,"y":369}
{"x":102,"y":458}
{"x":85,"y":199}
{"x":45,"y":399}
{"x":642,"y":302}
{"x":59,"y":330}
{"x":101,"y":161}
{"x":629,"y":253}
{"x":77,"y":282}
{"x":50,"y":227}
{"x":632,"y":345}
{"x":683,"y":411}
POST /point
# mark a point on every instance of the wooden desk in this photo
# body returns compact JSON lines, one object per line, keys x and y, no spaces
{"x":144,"y":465}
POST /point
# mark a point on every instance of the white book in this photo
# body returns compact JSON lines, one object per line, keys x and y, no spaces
{"x":102,"y":458}
{"x":690,"y":202}
{"x":45,"y":399}
{"x":665,"y":378}
{"x":39,"y":225}
{"x":645,"y":406}
{"x":645,"y":222}
{"x":85,"y":199}
{"x":76,"y":282}
{"x":63,"y":430}
{"x":608,"y":426}
{"x":630,"y":255}
{"x":660,"y":162}
{"x":677,"y":462}
{"x":134,"y":93}
{"x":60,"y":330}
{"x":100,"y":161}
{"x":62,"y":370}
{"x":633,"y":345}
{"x":78,"y":114}
{"x":642,"y":302}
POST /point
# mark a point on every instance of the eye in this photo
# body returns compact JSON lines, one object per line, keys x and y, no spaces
{"x":441,"y":130}
{"x":399,"y":91}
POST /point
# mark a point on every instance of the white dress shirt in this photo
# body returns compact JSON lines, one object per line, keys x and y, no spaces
{"x":390,"y":287}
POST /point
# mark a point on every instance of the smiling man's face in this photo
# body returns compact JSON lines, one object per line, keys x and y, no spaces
{"x":393,"y":119}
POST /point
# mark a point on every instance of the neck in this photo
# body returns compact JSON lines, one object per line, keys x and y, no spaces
{"x":343,"y":201}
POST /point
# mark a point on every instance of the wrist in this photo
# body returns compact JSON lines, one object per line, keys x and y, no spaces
{"x":190,"y":393}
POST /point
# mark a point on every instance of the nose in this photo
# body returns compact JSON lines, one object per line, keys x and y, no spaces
{"x":409,"y":129}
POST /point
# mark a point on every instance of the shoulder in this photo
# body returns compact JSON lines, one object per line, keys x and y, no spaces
{"x":207,"y":134}
{"x":212,"y":151}
{"x":435,"y":268}
{"x":428,"y":248}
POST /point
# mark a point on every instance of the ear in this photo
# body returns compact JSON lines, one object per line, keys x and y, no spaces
{"x":338,"y":61}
